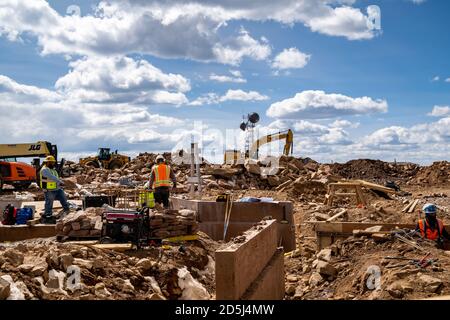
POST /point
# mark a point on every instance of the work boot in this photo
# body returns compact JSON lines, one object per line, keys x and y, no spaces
{"x":62,"y":214}
{"x":48,"y":220}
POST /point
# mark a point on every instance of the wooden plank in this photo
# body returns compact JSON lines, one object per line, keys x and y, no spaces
{"x":374,"y":186}
{"x":344,"y":211}
{"x":114,"y":246}
{"x":413,"y":206}
{"x":405,"y":209}
{"x":361,"y":196}
{"x":33,"y":222}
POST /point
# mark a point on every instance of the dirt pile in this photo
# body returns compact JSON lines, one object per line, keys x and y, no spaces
{"x":45,"y":269}
{"x":359,"y":268}
{"x":436,"y":174}
{"x":375,"y":170}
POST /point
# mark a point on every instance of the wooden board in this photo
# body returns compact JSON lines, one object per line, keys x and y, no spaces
{"x":413,"y":206}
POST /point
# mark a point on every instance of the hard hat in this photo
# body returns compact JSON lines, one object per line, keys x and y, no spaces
{"x":50,"y":159}
{"x":160,"y":158}
{"x":429,"y":208}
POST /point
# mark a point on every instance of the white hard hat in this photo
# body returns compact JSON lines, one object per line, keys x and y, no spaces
{"x":160,"y":158}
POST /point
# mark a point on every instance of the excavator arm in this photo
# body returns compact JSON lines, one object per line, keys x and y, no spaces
{"x":25,"y":150}
{"x":288,"y":146}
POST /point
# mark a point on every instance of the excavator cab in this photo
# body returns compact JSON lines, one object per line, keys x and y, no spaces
{"x":104,"y":154}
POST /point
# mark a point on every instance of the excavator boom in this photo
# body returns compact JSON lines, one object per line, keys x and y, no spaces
{"x":288,"y":146}
{"x":25,"y":150}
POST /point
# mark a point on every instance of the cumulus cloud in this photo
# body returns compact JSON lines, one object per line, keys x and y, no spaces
{"x":436,"y":78}
{"x":318,"y":104}
{"x":99,"y":101}
{"x":440,"y":111}
{"x":122,"y":79}
{"x":291,"y":58}
{"x":175,"y":29}
{"x":230,"y":95}
{"x":235,"y":77}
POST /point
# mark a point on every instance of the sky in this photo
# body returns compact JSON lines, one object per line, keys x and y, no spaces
{"x":351,"y":78}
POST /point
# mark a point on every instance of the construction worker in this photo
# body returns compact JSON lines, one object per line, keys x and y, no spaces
{"x":160,"y":179}
{"x":51,"y":184}
{"x":431,"y":227}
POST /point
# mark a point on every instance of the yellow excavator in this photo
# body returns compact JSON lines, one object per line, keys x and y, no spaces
{"x":20,"y":174}
{"x":235,"y":156}
{"x":106,"y":159}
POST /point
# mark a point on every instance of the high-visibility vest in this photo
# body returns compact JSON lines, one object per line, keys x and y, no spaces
{"x":162,"y":175}
{"x":46,"y":183}
{"x":427,"y":232}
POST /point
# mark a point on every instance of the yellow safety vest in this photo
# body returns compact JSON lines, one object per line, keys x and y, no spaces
{"x":162,"y":176}
{"x":46,"y":183}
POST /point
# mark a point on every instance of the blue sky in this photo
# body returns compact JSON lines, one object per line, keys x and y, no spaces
{"x":136,"y":77}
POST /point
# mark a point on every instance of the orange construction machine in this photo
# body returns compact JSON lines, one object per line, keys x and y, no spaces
{"x":20,"y":174}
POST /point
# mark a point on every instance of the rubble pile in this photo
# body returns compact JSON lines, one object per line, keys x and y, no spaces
{"x":173,"y":223}
{"x":87,"y":223}
{"x":348,"y":270}
{"x":375,"y":170}
{"x":436,"y":174}
{"x":43,"y":269}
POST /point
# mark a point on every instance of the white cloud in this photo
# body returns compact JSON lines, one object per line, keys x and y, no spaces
{"x":440,"y":111}
{"x":230,"y":95}
{"x":291,"y":58}
{"x":122,"y":79}
{"x":418,"y":1}
{"x":447,"y":80}
{"x":236,"y":77}
{"x":344,"y":124}
{"x":436,"y":78}
{"x":174,"y":29}
{"x":318,"y":104}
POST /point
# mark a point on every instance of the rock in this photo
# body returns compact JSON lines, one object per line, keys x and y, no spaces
{"x":156,"y":296}
{"x":22,"y":287}
{"x":14,"y":291}
{"x":5,"y":289}
{"x":374,"y":229}
{"x":76,"y":226}
{"x":55,"y":279}
{"x":291,"y":278}
{"x":321,"y":216}
{"x":101,"y":291}
{"x":83,"y":263}
{"x":14,"y":257}
{"x":26,"y":268}
{"x":39,"y":270}
{"x":99,"y":263}
{"x":324,"y":255}
{"x":145,"y":264}
{"x":290,"y":290}
{"x":315,"y":279}
{"x":70,"y":183}
{"x":326,"y":268}
{"x":395,"y":289}
{"x":192,"y":289}
{"x":154,"y":284}
{"x":298,"y":293}
{"x":429,"y":283}
{"x":65,"y":260}
{"x":273,"y":181}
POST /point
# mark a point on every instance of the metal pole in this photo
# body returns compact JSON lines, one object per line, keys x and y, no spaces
{"x":192,"y":169}
{"x":197,"y":168}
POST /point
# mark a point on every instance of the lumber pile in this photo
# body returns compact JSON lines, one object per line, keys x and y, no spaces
{"x":173,"y":223}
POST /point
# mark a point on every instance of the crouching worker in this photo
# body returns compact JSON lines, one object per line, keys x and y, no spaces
{"x":431,"y":227}
{"x":160,"y":178}
{"x":51,"y":184}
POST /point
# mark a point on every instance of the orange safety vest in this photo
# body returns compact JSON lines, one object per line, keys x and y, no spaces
{"x":427,"y":232}
{"x":162,"y":176}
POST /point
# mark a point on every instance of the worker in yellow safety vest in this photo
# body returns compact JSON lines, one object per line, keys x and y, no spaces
{"x":51,"y":184}
{"x":160,"y":181}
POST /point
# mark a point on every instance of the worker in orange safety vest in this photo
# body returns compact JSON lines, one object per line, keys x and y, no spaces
{"x":431,"y":227}
{"x":161,"y":178}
